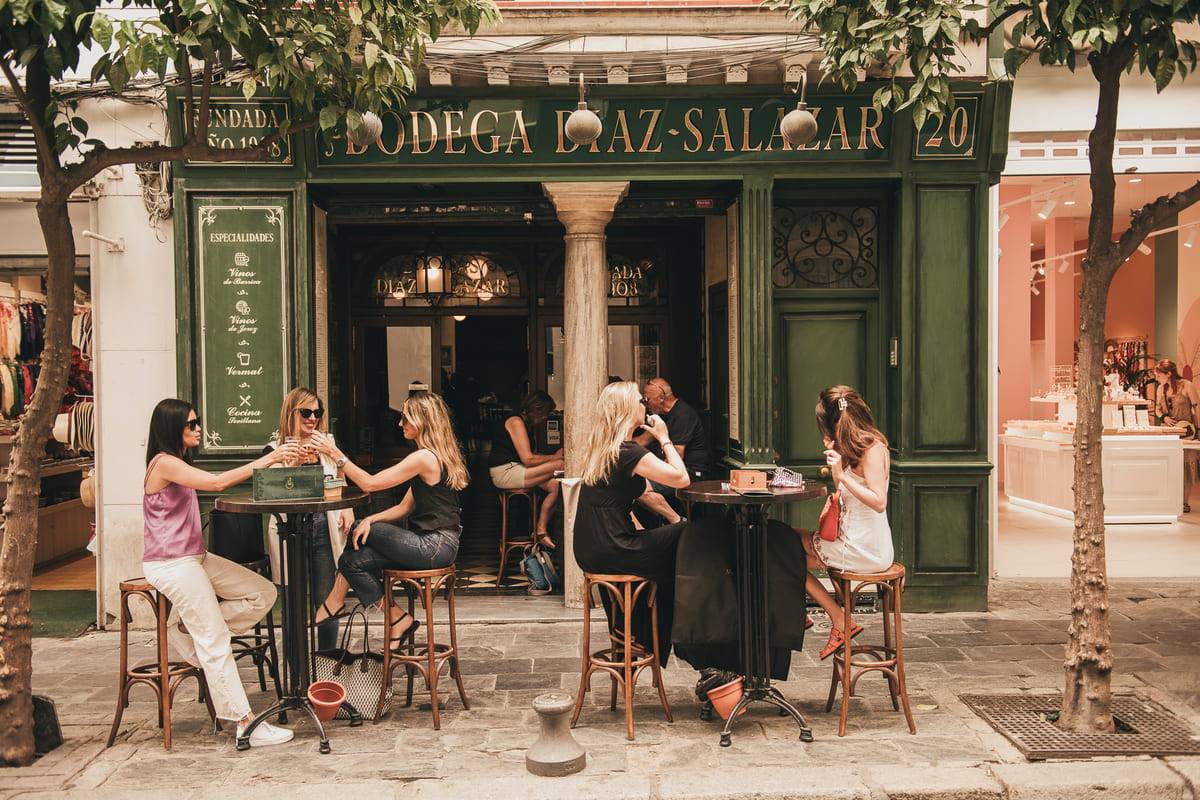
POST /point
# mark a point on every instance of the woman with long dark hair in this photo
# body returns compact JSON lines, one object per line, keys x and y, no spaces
{"x":857,"y":454}
{"x":212,"y":598}
{"x":434,"y":474}
{"x":512,"y":463}
{"x":1178,"y":404}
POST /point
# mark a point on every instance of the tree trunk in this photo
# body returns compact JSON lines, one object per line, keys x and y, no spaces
{"x":24,"y":482}
{"x":1087,"y":698}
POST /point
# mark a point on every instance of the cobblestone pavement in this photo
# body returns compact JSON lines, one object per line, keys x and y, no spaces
{"x":516,"y":648}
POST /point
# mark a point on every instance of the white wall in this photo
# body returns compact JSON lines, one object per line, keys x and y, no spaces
{"x":134,"y":310}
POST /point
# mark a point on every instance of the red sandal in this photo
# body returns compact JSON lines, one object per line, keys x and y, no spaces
{"x":837,"y":639}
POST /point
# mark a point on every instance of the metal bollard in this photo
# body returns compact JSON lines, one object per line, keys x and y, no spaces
{"x":555,"y":753}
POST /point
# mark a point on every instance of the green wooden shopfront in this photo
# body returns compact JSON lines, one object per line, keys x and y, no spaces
{"x":861,"y":258}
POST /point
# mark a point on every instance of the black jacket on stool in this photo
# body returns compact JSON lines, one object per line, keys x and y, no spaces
{"x":706,"y":605}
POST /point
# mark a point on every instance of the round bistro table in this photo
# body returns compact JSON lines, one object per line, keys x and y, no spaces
{"x":754,"y":636}
{"x":299,"y":635}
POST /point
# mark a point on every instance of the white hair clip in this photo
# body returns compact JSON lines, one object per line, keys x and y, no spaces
{"x":841,"y":404}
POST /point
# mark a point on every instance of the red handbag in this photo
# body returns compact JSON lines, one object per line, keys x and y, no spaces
{"x":830,"y":523}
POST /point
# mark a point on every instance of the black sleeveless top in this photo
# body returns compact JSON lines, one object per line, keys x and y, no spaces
{"x":435,"y":508}
{"x":503,"y":449}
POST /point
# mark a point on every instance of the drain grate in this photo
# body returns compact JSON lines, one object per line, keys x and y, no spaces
{"x":1150,"y":728}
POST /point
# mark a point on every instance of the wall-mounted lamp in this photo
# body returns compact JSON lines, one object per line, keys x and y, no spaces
{"x":114,"y":245}
{"x":584,"y":125}
{"x":799,"y":126}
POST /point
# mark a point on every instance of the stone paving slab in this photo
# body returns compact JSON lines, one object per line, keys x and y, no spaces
{"x":511,"y":655}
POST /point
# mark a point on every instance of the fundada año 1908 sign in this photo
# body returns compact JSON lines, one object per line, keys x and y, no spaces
{"x":240,"y":247}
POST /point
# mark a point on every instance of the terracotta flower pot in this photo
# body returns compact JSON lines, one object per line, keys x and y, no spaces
{"x":326,"y":697}
{"x":725,"y":697}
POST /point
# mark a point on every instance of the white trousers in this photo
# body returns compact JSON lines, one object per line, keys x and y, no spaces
{"x":214,"y":598}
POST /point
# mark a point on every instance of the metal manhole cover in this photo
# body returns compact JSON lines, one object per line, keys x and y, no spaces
{"x":1152,"y":729}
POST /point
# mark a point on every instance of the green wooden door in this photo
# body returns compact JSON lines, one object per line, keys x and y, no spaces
{"x":822,"y":343}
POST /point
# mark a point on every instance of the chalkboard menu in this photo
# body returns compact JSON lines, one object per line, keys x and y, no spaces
{"x":240,"y":247}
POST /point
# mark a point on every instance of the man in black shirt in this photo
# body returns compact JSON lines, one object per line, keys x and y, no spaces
{"x":687,"y":436}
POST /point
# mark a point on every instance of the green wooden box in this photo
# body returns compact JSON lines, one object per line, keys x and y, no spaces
{"x":289,"y":483}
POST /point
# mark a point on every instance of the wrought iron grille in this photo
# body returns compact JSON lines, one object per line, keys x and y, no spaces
{"x":825,"y":248}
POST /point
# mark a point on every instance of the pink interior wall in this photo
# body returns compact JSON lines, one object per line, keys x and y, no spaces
{"x":1130,"y":310}
{"x":1189,"y":293}
{"x":1014,"y":313}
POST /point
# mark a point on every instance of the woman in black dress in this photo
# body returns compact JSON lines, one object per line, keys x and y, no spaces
{"x":615,"y":471}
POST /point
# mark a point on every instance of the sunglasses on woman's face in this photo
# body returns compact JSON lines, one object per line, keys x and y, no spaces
{"x":310,"y":413}
{"x":194,"y":424}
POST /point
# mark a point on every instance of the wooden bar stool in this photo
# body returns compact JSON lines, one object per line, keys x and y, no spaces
{"x":887,"y":658}
{"x":162,"y":675}
{"x":624,"y":658}
{"x":260,"y":647}
{"x":430,"y":657}
{"x":507,"y":545}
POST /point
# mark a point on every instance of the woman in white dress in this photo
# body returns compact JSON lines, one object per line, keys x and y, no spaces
{"x":857,"y":454}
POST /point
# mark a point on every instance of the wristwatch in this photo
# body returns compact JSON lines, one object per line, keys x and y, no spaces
{"x":341,"y":462}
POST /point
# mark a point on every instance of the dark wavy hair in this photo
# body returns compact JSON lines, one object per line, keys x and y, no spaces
{"x":166,"y":430}
{"x":537,"y":406}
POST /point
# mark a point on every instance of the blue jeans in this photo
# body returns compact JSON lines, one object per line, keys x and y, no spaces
{"x":389,"y":546}
{"x":321,"y":570}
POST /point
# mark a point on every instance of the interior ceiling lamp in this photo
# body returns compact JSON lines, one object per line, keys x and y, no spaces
{"x":1063,"y":266}
{"x":584,"y":125}
{"x":1190,"y":241}
{"x":1048,"y":209}
{"x":1144,"y":249}
{"x":1003,"y":219}
{"x":799,"y":126}
{"x":372,"y":127}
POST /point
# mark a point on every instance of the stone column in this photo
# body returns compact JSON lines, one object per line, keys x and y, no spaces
{"x":584,"y":208}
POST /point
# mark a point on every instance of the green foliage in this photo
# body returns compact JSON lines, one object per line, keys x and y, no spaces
{"x":342,"y":55}
{"x":922,"y":37}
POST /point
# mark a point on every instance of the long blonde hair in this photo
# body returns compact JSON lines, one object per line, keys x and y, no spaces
{"x":616,"y":416}
{"x":289,"y":420}
{"x":427,"y":412}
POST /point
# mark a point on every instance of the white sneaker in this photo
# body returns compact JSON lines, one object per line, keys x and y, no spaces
{"x":266,"y":735}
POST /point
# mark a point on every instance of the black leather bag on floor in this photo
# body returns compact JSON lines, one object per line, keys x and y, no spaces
{"x":237,"y":537}
{"x":359,"y":671}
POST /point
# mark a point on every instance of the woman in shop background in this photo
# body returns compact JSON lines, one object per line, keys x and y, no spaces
{"x":512,"y":463}
{"x":857,"y":454}
{"x":301,"y":416}
{"x":176,"y":562}
{"x":1178,"y":405}
{"x":614,"y":475}
{"x":434,"y":475}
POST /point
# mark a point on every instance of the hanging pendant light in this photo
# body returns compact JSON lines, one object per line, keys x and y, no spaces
{"x":584,"y":125}
{"x":369,"y":131}
{"x":799,"y":126}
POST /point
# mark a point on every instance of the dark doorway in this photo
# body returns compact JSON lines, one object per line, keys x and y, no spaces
{"x":492,"y":354}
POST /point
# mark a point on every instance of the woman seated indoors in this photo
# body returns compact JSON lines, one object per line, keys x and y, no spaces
{"x":431,"y":514}
{"x":513,"y":464}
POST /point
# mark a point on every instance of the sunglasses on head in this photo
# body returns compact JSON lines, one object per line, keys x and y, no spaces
{"x":310,"y":413}
{"x":194,"y":424}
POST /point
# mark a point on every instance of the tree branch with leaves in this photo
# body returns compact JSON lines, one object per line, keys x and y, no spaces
{"x":332,"y":60}
{"x":914,"y":46}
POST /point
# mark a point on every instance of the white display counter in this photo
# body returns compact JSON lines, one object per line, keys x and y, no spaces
{"x":1143,"y":471}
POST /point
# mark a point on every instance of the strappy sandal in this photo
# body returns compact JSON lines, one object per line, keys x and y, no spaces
{"x":836,"y":639}
{"x":544,"y":539}
{"x":406,"y":637}
{"x":329,"y":614}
